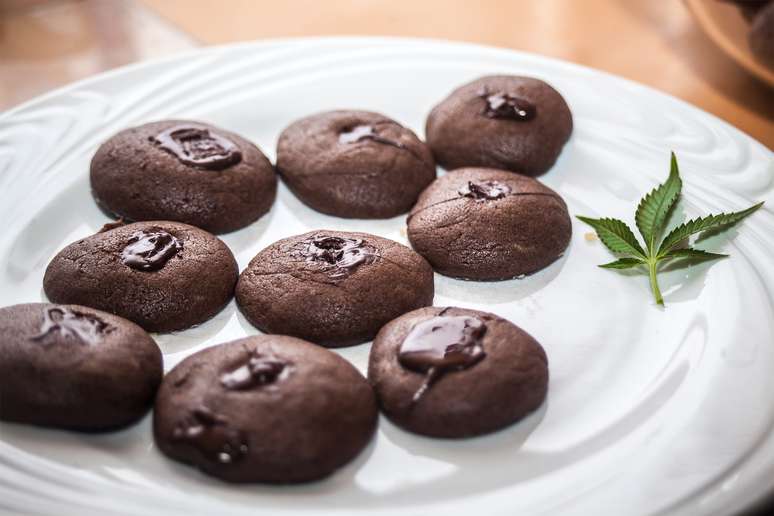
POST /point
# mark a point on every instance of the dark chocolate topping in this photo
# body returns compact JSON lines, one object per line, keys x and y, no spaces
{"x":257,"y":371}
{"x":357,"y":133}
{"x":150,"y":250}
{"x":368,"y":132}
{"x":339,"y":256}
{"x":199,"y":147}
{"x":442,"y":344}
{"x":211,"y":435}
{"x":71,"y":324}
{"x":509,"y":107}
{"x":485,"y":190}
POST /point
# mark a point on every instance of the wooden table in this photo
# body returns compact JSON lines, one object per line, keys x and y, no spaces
{"x":46,"y":43}
{"x":653,"y":42}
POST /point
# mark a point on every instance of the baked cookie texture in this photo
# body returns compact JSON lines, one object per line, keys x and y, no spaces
{"x":333,"y":288}
{"x":354,"y":164}
{"x":453,"y":372}
{"x":270,"y":408}
{"x":487,"y":224}
{"x":500,"y":121}
{"x":73,"y":367}
{"x":164,"y":276}
{"x":183,"y":171}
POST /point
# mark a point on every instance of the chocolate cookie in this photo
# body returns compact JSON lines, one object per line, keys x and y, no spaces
{"x":502,"y":121}
{"x":264,"y":409}
{"x":761,"y":35}
{"x":164,"y":276}
{"x":183,"y":171}
{"x":486,"y":224}
{"x":73,"y":367}
{"x":452,"y":372}
{"x":354,"y":164}
{"x":331,"y":287}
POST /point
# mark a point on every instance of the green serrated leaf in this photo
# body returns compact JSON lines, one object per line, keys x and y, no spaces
{"x":616,"y":235}
{"x":694,"y":226}
{"x":651,"y":218}
{"x":623,"y":263}
{"x":654,"y":208}
{"x":697,"y":255}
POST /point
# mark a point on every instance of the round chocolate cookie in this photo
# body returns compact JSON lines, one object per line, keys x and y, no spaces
{"x":486,"y":224}
{"x":68,"y":366}
{"x":164,"y":276}
{"x":183,"y":171}
{"x":761,"y":35}
{"x":264,"y":409}
{"x":354,"y":164}
{"x":452,"y":372}
{"x":331,"y":287}
{"x":503,"y":121}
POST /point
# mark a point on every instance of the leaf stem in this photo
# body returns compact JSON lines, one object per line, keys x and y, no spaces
{"x":652,"y":265}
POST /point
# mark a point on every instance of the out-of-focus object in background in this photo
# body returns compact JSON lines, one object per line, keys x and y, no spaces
{"x":748,"y":7}
{"x":760,"y":14}
{"x":728,"y":24}
{"x":45,"y":44}
{"x":762,"y":35}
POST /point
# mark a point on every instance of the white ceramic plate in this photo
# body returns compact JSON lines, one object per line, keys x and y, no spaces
{"x":649,"y":410}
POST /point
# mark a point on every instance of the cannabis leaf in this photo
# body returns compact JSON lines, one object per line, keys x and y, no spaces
{"x":651,"y":218}
{"x":616,"y":235}
{"x":655,"y":207}
{"x":710,"y":222}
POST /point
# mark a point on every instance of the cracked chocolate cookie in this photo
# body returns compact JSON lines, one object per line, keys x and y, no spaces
{"x":264,"y":409}
{"x":73,"y":367}
{"x":162,"y":275}
{"x":453,"y":372}
{"x":354,"y":164}
{"x":503,"y":121}
{"x":183,"y":171}
{"x":331,"y":287}
{"x":486,"y":224}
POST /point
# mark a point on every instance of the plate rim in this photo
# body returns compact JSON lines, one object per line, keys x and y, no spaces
{"x":8,"y":114}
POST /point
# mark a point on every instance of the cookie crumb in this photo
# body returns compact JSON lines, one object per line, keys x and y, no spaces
{"x":590,"y":236}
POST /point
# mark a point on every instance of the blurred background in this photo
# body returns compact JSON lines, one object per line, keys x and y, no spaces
{"x":667,"y":44}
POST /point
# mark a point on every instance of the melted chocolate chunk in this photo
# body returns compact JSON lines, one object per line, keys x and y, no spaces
{"x":485,"y":190}
{"x":257,"y":371}
{"x":442,"y":344}
{"x":367,"y":132}
{"x":199,"y":147}
{"x":357,"y":133}
{"x":211,"y":435}
{"x":508,"y":107}
{"x":339,"y":256}
{"x":150,"y":250}
{"x":70,"y":324}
